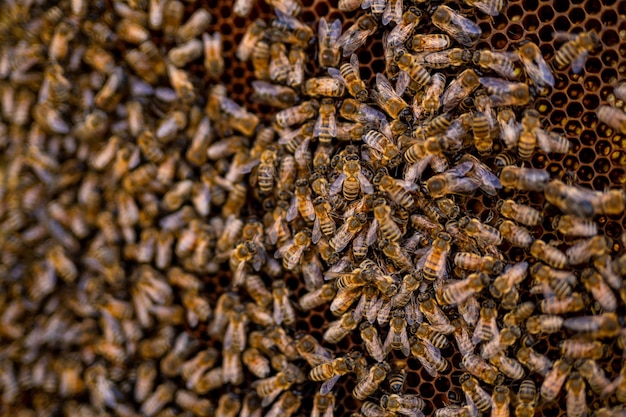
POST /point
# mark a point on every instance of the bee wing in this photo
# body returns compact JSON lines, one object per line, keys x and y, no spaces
{"x":544,"y":72}
{"x":375,"y":307}
{"x":319,"y":125}
{"x":466,"y":29}
{"x":371,"y":114}
{"x":353,"y":41}
{"x":366,"y":186}
{"x":316,"y":234}
{"x":393,"y":11}
{"x":322,"y":30}
{"x":404,"y":339}
{"x":292,"y":211}
{"x":543,"y":140}
{"x":388,"y":340}
{"x":239,"y":277}
{"x":278,"y":311}
{"x":383,"y":314}
{"x":400,"y":33}
{"x":429,"y":367}
{"x":414,"y":171}
{"x":384,"y":87}
{"x":354,"y":63}
{"x":332,"y":125}
{"x":402,"y":82}
{"x":579,"y":62}
{"x":366,"y":4}
{"x":280,"y":252}
{"x":487,"y":7}
{"x":335,"y":187}
{"x":336,"y":74}
{"x":328,"y":385}
{"x":335,"y":32}
{"x":272,"y":395}
{"x":372,"y":233}
{"x":493,"y":84}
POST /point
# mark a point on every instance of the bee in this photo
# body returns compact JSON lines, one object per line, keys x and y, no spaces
{"x":463,"y":30}
{"x":555,"y":378}
{"x":317,"y":297}
{"x":361,"y":113}
{"x":349,"y":75}
{"x":266,"y":171}
{"x":195,"y":25}
{"x":508,"y":366}
{"x":459,"y":88}
{"x":349,"y":5}
{"x":326,"y":126}
{"x":192,"y":403}
{"x":328,"y":37}
{"x":242,"y":8}
{"x":397,"y":378}
{"x":535,"y":66}
{"x":575,"y":51}
{"x":582,"y":251}
{"x":599,"y":289}
{"x":429,"y":358}
{"x":228,"y":405}
{"x":347,"y":231}
{"x":386,"y":224}
{"x":301,"y":202}
{"x":505,"y":93}
{"x":436,"y":258}
{"x":274,"y":95}
{"x":483,"y":233}
{"x":473,"y":390}
{"x":270,"y":388}
{"x":397,"y":338}
{"x":372,"y":341}
{"x":311,"y":351}
{"x":390,"y":101}
{"x":405,"y":404}
{"x":491,"y":8}
{"x":516,"y":235}
{"x":258,"y":364}
{"x":473,"y":262}
{"x":409,"y":64}
{"x":331,"y":371}
{"x":458,"y":292}
{"x":297,"y":114}
{"x":499,"y":62}
{"x":370,"y":409}
{"x":280,"y":67}
{"x":357,"y":34}
{"x":453,"y":57}
{"x":371,"y":381}
{"x":544,"y":323}
{"x":509,"y":132}
{"x":432,"y":98}
{"x":594,"y":375}
{"x":613,"y":117}
{"x":487,"y":327}
{"x":501,"y":400}
{"x":323,"y":405}
{"x":339,"y":329}
{"x":605,"y":267}
{"x":477,"y":366}
{"x":576,"y":401}
{"x":323,"y":86}
{"x":522,"y":179}
{"x":383,"y":145}
{"x":162,"y":395}
{"x":548,"y":254}
{"x":534,"y":361}
{"x":253,"y":34}
{"x":430,"y":43}
{"x":400,"y":33}
{"x":397,"y":192}
{"x":583,"y":202}
{"x":527,"y":399}
{"x":439,"y":322}
{"x":520,"y":213}
{"x":63,"y":266}
{"x":582,"y":349}
{"x":323,"y":221}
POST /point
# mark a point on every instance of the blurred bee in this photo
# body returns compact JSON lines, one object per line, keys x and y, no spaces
{"x":386,"y":225}
{"x":228,"y":405}
{"x":328,"y":37}
{"x":491,"y":8}
{"x":599,"y":289}
{"x":63,"y":266}
{"x":487,"y":326}
{"x":458,"y":292}
{"x":326,"y":126}
{"x":258,"y":364}
{"x":535,"y":66}
{"x":161,"y":396}
{"x":548,"y":254}
{"x":509,"y":129}
{"x":339,"y":329}
{"x":270,"y":388}
{"x":544,"y":323}
{"x":362,"y":113}
{"x":483,"y":233}
{"x":372,"y":341}
{"x":575,"y":51}
{"x":357,"y":34}
{"x":534,"y":361}
{"x":499,"y":62}
{"x":349,"y":75}
{"x":520,"y":213}
{"x":582,"y":251}
{"x":508,"y":366}
{"x":516,"y":235}
{"x":410,"y":65}
{"x":605,"y":267}
{"x":318,"y":297}
{"x":429,"y":43}
{"x":400,"y":33}
{"x":330,"y":372}
{"x":582,"y":349}
{"x":505,"y":93}
{"x":583,"y":202}
{"x":323,"y":86}
{"x":242,"y":8}
{"x":347,"y":231}
{"x":576,"y":402}
{"x":463,"y":30}
{"x":192,"y":403}
{"x":266,"y":171}
{"x":595,"y":376}
{"x":554,"y":380}
{"x":405,"y":404}
{"x":613,"y":117}
{"x":279,"y":63}
{"x":301,"y":202}
{"x":289,"y":7}
{"x":459,"y":88}
{"x":477,"y":366}
{"x":371,"y":381}
{"x":274,"y":95}
{"x":292,"y":251}
{"x":436,"y":258}
{"x":195,"y":25}
{"x":473,"y":390}
{"x":260,"y":58}
{"x":297,"y":114}
{"x":472,"y":262}
{"x":253,"y":34}
{"x":530,"y":179}
{"x":432,"y":98}
{"x":390,"y":101}
{"x":452,"y":181}
{"x":311,"y":351}
{"x":323,"y":405}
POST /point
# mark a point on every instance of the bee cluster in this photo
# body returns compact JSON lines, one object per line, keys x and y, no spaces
{"x":404,"y":235}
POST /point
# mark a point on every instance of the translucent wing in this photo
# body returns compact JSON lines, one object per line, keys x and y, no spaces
{"x":336,"y":74}
{"x":328,"y":385}
{"x":335,"y":187}
{"x":579,"y":62}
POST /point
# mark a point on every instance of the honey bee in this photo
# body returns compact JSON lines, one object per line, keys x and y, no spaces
{"x":583,"y":202}
{"x":516,"y":235}
{"x":253,"y":34}
{"x":195,"y":25}
{"x":192,"y":403}
{"x":605,"y":267}
{"x":162,"y":395}
{"x":397,"y":192}
{"x":301,"y":202}
{"x":63,"y":266}
{"x":339,"y":329}
{"x":613,"y":117}
{"x":331,"y":371}
{"x":453,"y":57}
{"x":477,"y":366}
{"x":473,"y":390}
{"x":436,"y":258}
{"x":575,"y":51}
{"x":317,"y":297}
{"x":544,"y":323}
{"x":228,"y":405}
{"x":535,"y":66}
{"x":274,"y":95}
{"x":386,"y":224}
{"x":463,"y":30}
{"x":499,"y":62}
{"x":520,"y":213}
{"x":359,"y":112}
{"x":508,"y":366}
{"x":349,"y":75}
{"x":357,"y":34}
{"x":524,"y":178}
{"x":487,"y":327}
{"x":409,"y":64}
{"x":599,"y":289}
{"x":311,"y":351}
{"x":372,"y":341}
{"x":371,"y":381}
{"x":283,"y":310}
{"x":430,"y":359}
{"x":328,"y":36}
{"x":555,"y":378}
{"x":483,"y":233}
{"x":397,"y":338}
{"x":269,"y":388}
{"x":323,"y":86}
{"x":326,"y":126}
{"x":458,"y":292}
{"x":594,"y":375}
{"x":347,"y":231}
{"x":473,"y":262}
{"x":258,"y":364}
{"x":509,"y":130}
{"x":213,"y":56}
{"x":576,"y":401}
{"x":297,"y":114}
{"x":505,"y":93}
{"x":323,"y":405}
{"x":323,"y":221}
{"x":439,"y":322}
{"x":548,"y":254}
{"x":400,"y":33}
{"x":405,"y":404}
{"x":390,"y":101}
{"x":582,"y":349}
{"x":582,"y":251}
{"x":430,"y":43}
{"x":459,"y":88}
{"x":527,"y":399}
{"x":383,"y":145}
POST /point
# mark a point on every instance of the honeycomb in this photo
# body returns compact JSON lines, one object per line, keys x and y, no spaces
{"x":597,"y":160}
